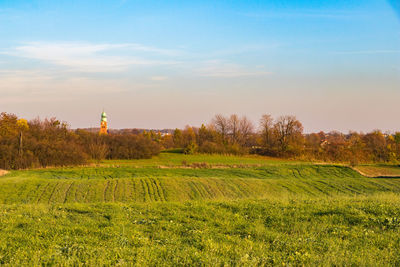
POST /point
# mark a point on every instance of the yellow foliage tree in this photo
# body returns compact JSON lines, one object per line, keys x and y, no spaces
{"x":22,"y":125}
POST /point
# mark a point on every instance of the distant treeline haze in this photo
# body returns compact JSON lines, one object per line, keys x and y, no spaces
{"x":49,"y":142}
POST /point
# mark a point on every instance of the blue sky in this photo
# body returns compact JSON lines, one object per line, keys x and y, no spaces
{"x":165,"y":64}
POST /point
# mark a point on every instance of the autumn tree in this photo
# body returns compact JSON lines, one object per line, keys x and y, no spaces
{"x":233,"y":128}
{"x":267,"y":130}
{"x":177,"y":137}
{"x":375,"y":143}
{"x":204,"y":135}
{"x":246,"y":131}
{"x":22,"y":126}
{"x":289,"y":133}
{"x":221,"y":125}
{"x":313,"y":145}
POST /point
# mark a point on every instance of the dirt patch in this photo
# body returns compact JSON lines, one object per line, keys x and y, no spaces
{"x":362,"y":173}
{"x":3,"y":172}
{"x":377,"y":175}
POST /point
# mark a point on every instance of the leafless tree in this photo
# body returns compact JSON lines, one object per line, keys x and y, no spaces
{"x":288,"y":129}
{"x":266,"y":129}
{"x":221,"y":125}
{"x":98,"y":150}
{"x":233,"y":127}
{"x":246,"y":129}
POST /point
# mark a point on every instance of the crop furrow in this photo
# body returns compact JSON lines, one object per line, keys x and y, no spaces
{"x":135,"y":191}
{"x":194,"y":193}
{"x":105,"y":191}
{"x":67,"y":192}
{"x":52,"y":192}
{"x":156,"y":189}
{"x":146,"y":196}
{"x":86,"y":193}
{"x":115,"y":189}
{"x":151,"y":192}
{"x":162,"y":189}
{"x":44,"y":191}
{"x":201,"y":188}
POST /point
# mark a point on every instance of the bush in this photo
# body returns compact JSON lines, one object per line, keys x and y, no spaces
{"x":190,"y":149}
{"x":211,"y":148}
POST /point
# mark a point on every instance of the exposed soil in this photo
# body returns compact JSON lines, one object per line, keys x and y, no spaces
{"x":375,"y":176}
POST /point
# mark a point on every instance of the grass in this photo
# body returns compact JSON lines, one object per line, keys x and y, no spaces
{"x":150,"y":184}
{"x":356,"y":231}
{"x":175,"y":159}
{"x":211,"y":210}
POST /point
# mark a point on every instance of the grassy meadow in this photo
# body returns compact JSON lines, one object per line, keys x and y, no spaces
{"x":208,"y":210}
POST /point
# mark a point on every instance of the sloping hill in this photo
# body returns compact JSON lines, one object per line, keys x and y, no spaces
{"x":151,"y":184}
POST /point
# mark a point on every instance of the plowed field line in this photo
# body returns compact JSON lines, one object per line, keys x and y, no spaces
{"x":87,"y":192}
{"x":52,"y":193}
{"x":115,"y":189}
{"x":156,"y":189}
{"x":105,"y":191}
{"x":162,"y":190}
{"x":134,"y":193}
{"x":67,"y":192}
{"x":44,"y":190}
{"x":145,"y":190}
{"x":150,"y":190}
{"x":195,"y":194}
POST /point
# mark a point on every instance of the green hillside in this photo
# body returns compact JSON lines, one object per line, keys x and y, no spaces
{"x":179,"y":210}
{"x":149,"y":184}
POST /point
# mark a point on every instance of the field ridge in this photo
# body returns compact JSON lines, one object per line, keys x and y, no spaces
{"x":152,"y":184}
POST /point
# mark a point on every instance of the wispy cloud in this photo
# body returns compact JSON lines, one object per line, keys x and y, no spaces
{"x":139,"y":47}
{"x":41,"y":86}
{"x":92,"y":57}
{"x":368,"y":52}
{"x":244,"y":49}
{"x":305,"y":13}
{"x":217,"y":68}
{"x":159,"y":78}
{"x":12,"y":80}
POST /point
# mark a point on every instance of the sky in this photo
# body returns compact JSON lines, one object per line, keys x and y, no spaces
{"x":335,"y":65}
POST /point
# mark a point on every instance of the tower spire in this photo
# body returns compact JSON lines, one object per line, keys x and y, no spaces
{"x":103,"y":123}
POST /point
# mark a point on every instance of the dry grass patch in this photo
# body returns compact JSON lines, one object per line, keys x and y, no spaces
{"x":379,"y":170}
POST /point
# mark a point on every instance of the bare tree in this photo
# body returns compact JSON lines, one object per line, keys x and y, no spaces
{"x":288,"y":129}
{"x":246,"y":129}
{"x":221,"y":125}
{"x":233,"y":127}
{"x":98,"y":150}
{"x":266,"y":129}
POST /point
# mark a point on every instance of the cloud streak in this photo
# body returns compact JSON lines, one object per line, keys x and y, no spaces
{"x":302,"y":14}
{"x":88,"y":57}
{"x":220,"y":69}
{"x":368,"y":52}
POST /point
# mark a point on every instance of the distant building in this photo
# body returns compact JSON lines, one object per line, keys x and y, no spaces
{"x":103,"y":123}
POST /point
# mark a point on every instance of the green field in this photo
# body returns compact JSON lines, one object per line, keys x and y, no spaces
{"x":199,"y":210}
{"x":176,"y":159}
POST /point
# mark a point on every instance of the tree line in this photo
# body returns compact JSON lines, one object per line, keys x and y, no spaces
{"x":49,"y":142}
{"x":284,"y":137}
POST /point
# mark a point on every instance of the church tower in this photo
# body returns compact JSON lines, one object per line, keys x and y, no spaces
{"x":103,"y":123}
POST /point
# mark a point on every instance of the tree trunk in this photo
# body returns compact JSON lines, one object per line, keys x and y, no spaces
{"x":20,"y":144}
